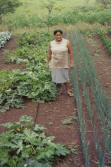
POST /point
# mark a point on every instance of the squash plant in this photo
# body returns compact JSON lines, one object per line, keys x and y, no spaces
{"x":31,"y":39}
{"x":9,"y":96}
{"x":16,"y":84}
{"x":22,"y":146}
{"x":30,"y":44}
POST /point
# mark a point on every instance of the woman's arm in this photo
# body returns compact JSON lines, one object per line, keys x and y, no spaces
{"x":70,"y":51}
{"x":49,"y":57}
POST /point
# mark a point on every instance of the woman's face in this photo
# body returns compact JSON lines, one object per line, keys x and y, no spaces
{"x":58,"y":36}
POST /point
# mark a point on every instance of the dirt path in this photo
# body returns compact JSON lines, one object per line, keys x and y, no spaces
{"x":51,"y":115}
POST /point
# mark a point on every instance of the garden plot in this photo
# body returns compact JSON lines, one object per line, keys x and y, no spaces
{"x":87,"y":133}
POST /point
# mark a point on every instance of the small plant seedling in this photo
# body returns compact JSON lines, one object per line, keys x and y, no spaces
{"x":50,"y":123}
{"x":73,"y":149}
{"x":69,"y":121}
{"x":91,"y":41}
{"x":98,"y":51}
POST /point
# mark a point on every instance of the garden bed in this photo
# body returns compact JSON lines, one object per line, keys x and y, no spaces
{"x":50,"y":115}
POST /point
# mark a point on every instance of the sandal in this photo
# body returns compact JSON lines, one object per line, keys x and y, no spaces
{"x":70,"y":93}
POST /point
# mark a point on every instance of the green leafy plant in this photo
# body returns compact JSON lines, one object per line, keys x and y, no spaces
{"x":4,"y":37}
{"x":8,"y":6}
{"x":33,"y":38}
{"x":22,"y":146}
{"x":16,"y":84}
{"x":73,"y":149}
{"x":9,"y":96}
{"x":37,"y":86}
{"x":69,"y":120}
{"x":105,"y":39}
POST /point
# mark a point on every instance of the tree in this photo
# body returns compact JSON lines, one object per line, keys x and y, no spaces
{"x":8,"y":6}
{"x":104,"y":2}
{"x":51,"y":5}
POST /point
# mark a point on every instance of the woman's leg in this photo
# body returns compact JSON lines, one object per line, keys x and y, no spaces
{"x":67,"y":86}
{"x":68,"y":89}
{"x":59,"y":85}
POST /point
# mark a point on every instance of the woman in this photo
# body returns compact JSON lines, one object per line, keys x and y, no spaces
{"x":61,"y":55}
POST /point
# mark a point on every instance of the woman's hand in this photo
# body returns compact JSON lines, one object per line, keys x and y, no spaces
{"x":70,"y":50}
{"x":71,"y":66}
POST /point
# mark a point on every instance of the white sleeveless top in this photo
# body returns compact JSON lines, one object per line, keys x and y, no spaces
{"x":59,"y":57}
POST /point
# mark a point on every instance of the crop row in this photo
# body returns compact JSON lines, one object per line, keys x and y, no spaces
{"x":85,"y":75}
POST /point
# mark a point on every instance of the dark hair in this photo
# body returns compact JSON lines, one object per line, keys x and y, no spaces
{"x":55,"y":31}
